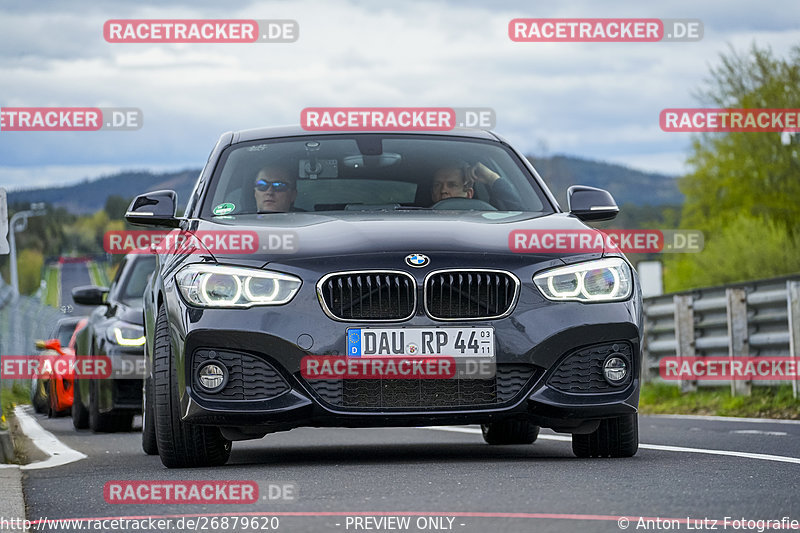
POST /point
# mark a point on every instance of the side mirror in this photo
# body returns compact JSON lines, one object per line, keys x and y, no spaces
{"x":591,"y":203}
{"x":89,"y":295}
{"x":51,"y":344}
{"x":155,"y":208}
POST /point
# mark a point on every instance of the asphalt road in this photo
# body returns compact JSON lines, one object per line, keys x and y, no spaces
{"x":453,"y":474}
{"x":74,"y":275}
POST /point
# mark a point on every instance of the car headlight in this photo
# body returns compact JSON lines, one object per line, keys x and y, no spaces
{"x":224,"y":286}
{"x":603,"y":280}
{"x":126,"y":334}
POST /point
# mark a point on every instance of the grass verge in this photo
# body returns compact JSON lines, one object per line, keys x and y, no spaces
{"x":765,"y":402}
{"x":15,"y":395}
{"x":51,"y":277}
{"x":96,"y":275}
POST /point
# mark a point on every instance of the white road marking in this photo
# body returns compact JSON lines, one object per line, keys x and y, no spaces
{"x":58,"y":452}
{"x":659,"y":447}
{"x":728,"y":419}
{"x":757,"y":432}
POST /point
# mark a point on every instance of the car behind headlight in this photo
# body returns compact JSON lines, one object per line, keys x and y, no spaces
{"x":603,"y":280}
{"x":125,"y":334}
{"x":224,"y":286}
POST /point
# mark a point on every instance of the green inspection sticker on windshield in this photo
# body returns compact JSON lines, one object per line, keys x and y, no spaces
{"x":223,"y":209}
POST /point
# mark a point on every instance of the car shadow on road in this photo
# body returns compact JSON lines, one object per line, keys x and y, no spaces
{"x":412,"y":453}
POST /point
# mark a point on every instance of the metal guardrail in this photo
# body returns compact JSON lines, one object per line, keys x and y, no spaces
{"x":752,"y":319}
{"x":22,"y":322}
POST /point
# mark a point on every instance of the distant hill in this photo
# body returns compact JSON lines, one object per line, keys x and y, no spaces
{"x":625,"y":184}
{"x":89,"y":196}
{"x":559,"y":172}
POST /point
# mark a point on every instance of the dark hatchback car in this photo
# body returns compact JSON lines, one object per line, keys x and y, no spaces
{"x":115,"y":330}
{"x":393,"y":245}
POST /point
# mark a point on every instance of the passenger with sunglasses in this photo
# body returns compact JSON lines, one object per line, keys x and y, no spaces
{"x":275,"y":190}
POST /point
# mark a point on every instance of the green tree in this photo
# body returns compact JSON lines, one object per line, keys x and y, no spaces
{"x":29,"y":270}
{"x":116,"y":206}
{"x":744,"y":187}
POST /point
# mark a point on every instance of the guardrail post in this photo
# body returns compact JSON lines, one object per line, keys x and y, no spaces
{"x":684,"y":334}
{"x":738,"y":345}
{"x":793,"y":304}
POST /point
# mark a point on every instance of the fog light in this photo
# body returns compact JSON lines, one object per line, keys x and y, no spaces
{"x":615,"y":370}
{"x":212,"y":377}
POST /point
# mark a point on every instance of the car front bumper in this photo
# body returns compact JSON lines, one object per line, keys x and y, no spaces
{"x":539,"y":337}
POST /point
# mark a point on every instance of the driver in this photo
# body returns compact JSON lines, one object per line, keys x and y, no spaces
{"x":452,"y":182}
{"x":457,"y":181}
{"x":275,"y":190}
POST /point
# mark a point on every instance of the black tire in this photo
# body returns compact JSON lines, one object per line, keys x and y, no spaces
{"x":615,"y":437}
{"x":105,"y":422}
{"x":39,"y":399}
{"x":510,"y":432}
{"x":80,"y":415}
{"x":149,"y":444}
{"x":180,"y":445}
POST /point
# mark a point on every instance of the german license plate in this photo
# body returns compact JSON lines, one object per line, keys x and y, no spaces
{"x":430,"y":342}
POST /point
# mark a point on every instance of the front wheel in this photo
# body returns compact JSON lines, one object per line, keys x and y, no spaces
{"x":80,"y":414}
{"x":615,"y":437}
{"x":105,"y":422}
{"x":39,"y":398}
{"x":149,"y":444}
{"x":180,"y":445}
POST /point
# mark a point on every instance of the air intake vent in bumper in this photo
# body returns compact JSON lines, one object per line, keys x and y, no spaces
{"x":249,"y":377}
{"x":510,"y":380}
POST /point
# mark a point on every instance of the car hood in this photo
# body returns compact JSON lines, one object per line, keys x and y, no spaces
{"x":320,"y":235}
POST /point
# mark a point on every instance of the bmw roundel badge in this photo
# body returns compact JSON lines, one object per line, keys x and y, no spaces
{"x":417,"y":260}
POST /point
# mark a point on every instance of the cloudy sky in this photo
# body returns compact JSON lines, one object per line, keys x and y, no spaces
{"x":593,"y":100}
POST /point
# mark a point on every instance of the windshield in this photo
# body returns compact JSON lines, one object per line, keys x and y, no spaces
{"x":370,"y":172}
{"x":135,"y":280}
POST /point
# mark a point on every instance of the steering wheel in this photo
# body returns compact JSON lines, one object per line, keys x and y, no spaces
{"x":465,"y":204}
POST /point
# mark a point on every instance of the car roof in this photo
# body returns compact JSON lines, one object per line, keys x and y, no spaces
{"x":297,"y":131}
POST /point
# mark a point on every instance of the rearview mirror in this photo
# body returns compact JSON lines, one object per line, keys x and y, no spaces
{"x":155,"y":208}
{"x":591,"y":203}
{"x":89,"y":295}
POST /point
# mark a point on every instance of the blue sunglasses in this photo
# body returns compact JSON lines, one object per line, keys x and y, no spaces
{"x":277,"y":186}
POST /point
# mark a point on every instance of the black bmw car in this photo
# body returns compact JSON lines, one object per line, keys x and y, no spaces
{"x":115,"y":330}
{"x":351,"y":249}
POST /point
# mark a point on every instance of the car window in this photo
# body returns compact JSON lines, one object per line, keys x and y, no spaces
{"x":112,"y":288}
{"x":358,"y":172}
{"x":64,"y":332}
{"x":133,"y":283}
